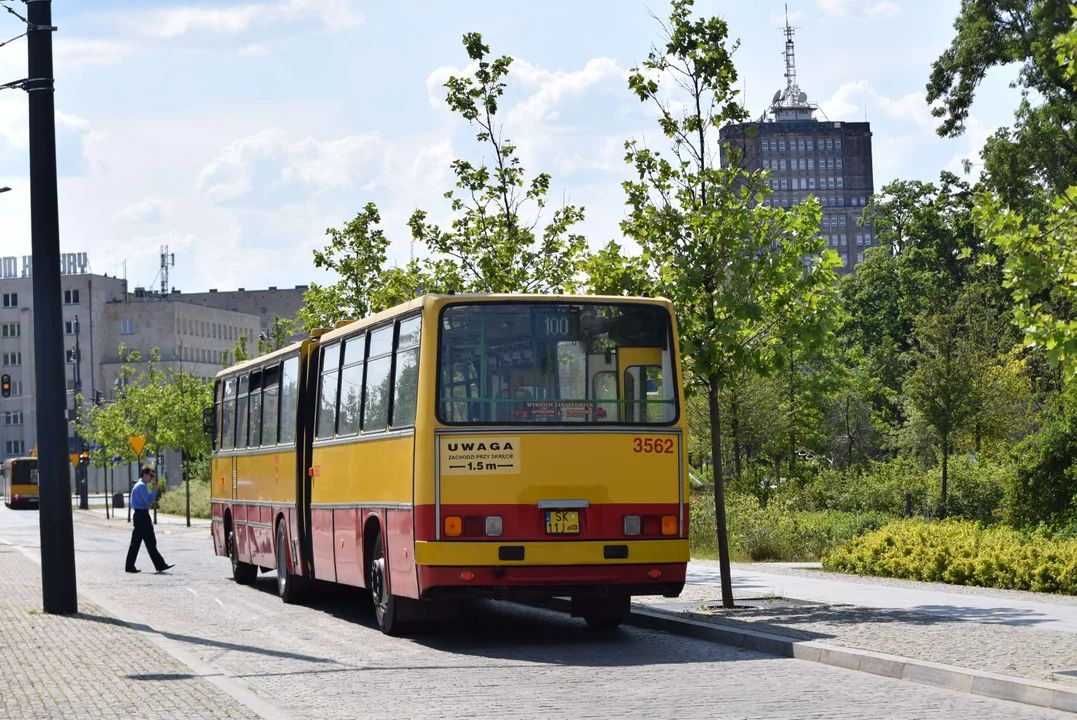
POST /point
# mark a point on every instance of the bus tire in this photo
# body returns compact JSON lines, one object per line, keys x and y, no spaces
{"x":290,"y":587}
{"x":386,"y":605}
{"x":603,"y":622}
{"x":243,"y":573}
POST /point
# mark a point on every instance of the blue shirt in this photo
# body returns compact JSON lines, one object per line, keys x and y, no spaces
{"x":141,"y":497}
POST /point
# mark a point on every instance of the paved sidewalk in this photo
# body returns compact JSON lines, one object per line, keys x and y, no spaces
{"x":89,"y":664}
{"x":1013,"y":633}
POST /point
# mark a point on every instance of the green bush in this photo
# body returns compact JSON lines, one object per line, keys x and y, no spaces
{"x":1044,"y":487}
{"x":963,"y":553}
{"x":775,"y":532}
{"x":174,"y":501}
{"x":975,"y":489}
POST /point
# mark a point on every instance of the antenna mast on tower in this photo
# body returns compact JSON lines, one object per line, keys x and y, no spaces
{"x":167,"y":261}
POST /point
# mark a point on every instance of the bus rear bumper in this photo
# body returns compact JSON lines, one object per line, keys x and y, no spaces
{"x":535,"y":582}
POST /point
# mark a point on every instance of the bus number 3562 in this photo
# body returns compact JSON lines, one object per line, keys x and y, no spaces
{"x":653,"y":445}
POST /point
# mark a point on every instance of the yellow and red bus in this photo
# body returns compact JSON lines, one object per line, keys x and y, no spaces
{"x":19,"y":482}
{"x":517,"y":447}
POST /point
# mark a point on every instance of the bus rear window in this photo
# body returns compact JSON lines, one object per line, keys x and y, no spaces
{"x":579,"y":363}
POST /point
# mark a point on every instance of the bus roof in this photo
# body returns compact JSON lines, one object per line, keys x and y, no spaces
{"x":348,"y":326}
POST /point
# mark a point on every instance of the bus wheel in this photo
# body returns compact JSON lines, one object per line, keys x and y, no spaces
{"x":603,"y":622}
{"x":386,"y":605}
{"x":290,"y":587}
{"x":243,"y":573}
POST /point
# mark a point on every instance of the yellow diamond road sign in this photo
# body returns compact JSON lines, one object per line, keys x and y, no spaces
{"x":137,"y":443}
{"x":74,"y":459}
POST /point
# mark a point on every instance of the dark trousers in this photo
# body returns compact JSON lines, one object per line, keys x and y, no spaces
{"x":143,"y":533}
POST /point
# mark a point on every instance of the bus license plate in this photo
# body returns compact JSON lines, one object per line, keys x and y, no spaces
{"x":562,"y":522}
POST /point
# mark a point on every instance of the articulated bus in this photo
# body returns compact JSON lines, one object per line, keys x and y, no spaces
{"x":515,"y":447}
{"x":19,"y":482}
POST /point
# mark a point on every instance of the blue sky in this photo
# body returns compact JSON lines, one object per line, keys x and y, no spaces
{"x":237,"y":132}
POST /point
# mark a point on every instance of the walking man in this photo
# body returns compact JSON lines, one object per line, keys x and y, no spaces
{"x":141,"y":501}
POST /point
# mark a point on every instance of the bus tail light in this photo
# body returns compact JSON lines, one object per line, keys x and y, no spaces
{"x":631,"y":524}
{"x":473,"y":526}
{"x":467,"y":576}
{"x":454,"y":526}
{"x":654,"y":573}
{"x":493,"y":525}
{"x":651,"y":525}
{"x":669,"y":524}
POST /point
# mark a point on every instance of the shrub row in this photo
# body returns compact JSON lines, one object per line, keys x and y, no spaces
{"x":963,"y":553}
{"x":774,"y":532}
{"x":174,"y":502}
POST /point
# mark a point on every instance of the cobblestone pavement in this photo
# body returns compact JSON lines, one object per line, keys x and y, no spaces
{"x":999,"y":644}
{"x":88,"y":665}
{"x":327,"y":660}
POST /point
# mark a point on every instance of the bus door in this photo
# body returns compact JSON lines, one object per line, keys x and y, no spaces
{"x":639,"y":380}
{"x":304,"y":451}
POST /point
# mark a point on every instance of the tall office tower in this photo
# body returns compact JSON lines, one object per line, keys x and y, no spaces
{"x":808,"y":155}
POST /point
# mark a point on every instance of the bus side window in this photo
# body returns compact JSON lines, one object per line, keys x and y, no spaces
{"x":228,"y":415}
{"x":256,"y":409}
{"x":406,"y":372}
{"x":327,"y":393}
{"x":270,"y":404}
{"x":218,"y":391}
{"x":351,"y":386}
{"x":242,"y":407}
{"x":376,"y":386}
{"x":289,"y":392}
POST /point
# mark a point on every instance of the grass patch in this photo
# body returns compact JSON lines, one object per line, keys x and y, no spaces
{"x":774,"y":532}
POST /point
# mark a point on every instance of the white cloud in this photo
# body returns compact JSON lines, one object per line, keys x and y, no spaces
{"x":253,"y":50}
{"x":976,"y":134}
{"x":778,"y":18}
{"x":880,"y":10}
{"x":73,"y":54}
{"x":173,"y":22}
{"x":150,"y":210}
{"x":883,"y":10}
{"x":320,"y":165}
{"x":834,"y":7}
{"x":555,"y":85}
{"x":847,"y":103}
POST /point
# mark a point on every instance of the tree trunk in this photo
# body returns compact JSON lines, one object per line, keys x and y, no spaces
{"x":186,"y":482}
{"x":945,"y":467}
{"x":792,"y":419}
{"x":719,"y":491}
{"x":734,"y":420}
{"x":848,"y":435}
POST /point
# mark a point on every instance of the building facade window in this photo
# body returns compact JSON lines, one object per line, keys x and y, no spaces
{"x":809,"y":145}
{"x":811,"y":164}
{"x":829,"y":144}
{"x":800,"y":146}
{"x":14,"y":448}
{"x":13,"y":417}
{"x":127,"y":327}
{"x":781,"y":164}
{"x":71,"y":297}
{"x":841,"y":201}
{"x":860,"y":257}
{"x":12,"y":330}
{"x":811,"y":183}
{"x":841,"y":183}
{"x":859,"y":238}
{"x":69,"y":327}
{"x":837,"y":143}
{"x":785,"y":184}
{"x":842,"y":220}
{"x":12,"y":359}
{"x":16,"y":388}
{"x":796,"y":184}
{"x":781,"y":145}
{"x":843,"y":243}
{"x":70,"y":355}
{"x":837,"y":163}
{"x":11,"y":300}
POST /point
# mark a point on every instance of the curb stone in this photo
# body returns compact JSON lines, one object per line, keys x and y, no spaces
{"x":948,"y":677}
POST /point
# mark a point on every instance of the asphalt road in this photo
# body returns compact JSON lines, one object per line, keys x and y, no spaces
{"x":326,"y":659}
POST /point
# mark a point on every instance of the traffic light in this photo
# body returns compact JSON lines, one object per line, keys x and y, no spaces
{"x":84,"y":458}
{"x":5,"y":385}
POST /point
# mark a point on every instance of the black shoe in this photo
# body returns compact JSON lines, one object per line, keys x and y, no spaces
{"x":133,"y":570}
{"x":166,"y":567}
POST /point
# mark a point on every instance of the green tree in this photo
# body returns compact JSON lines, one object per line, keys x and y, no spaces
{"x":277,"y":335}
{"x":240,"y":353}
{"x":1039,"y":152}
{"x":493,"y":241}
{"x":942,"y":385}
{"x":733,"y":267}
{"x":1039,"y":256}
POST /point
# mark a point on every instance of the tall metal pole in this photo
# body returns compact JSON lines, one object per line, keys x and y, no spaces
{"x":58,"y":589}
{"x":82,"y":475}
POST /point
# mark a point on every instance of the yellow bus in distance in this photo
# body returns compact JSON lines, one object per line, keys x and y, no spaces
{"x":516,"y":447}
{"x":18,"y":482}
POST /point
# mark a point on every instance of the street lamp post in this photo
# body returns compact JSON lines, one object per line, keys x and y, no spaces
{"x":58,"y":590}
